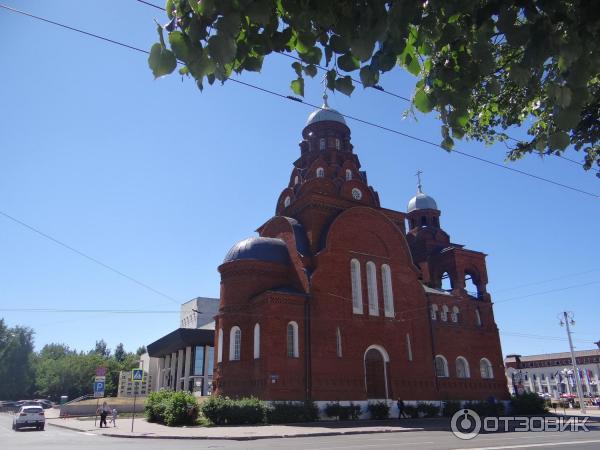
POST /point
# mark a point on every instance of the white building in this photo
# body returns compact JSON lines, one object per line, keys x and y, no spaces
{"x":553,"y":374}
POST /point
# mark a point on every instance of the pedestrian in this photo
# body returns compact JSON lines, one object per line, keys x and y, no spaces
{"x":103,"y":414}
{"x":400,"y":404}
{"x":114,"y":417}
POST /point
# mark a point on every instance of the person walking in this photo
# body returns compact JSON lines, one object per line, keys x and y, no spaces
{"x":103,"y":414}
{"x":114,"y":417}
{"x":400,"y":404}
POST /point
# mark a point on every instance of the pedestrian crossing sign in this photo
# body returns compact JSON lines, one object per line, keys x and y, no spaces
{"x":137,"y":375}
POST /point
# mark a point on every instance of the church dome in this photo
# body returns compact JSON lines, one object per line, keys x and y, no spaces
{"x":259,"y":248}
{"x":325,"y":113}
{"x":421,"y":201}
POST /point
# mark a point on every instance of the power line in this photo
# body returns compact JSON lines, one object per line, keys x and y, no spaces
{"x":91,"y":311}
{"x":519,"y":286}
{"x":547,"y":292}
{"x":366,"y":122}
{"x":377,"y":87}
{"x":88,"y":257}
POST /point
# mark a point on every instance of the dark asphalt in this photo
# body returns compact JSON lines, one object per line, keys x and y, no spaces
{"x":54,"y":438}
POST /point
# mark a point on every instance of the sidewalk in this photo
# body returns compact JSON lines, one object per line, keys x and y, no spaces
{"x":143,"y":429}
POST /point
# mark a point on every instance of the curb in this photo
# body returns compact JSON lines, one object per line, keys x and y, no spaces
{"x":235,"y":438}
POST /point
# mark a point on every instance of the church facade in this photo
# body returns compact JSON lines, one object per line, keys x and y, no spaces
{"x":339,"y":298}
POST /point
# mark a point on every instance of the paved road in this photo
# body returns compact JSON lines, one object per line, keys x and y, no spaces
{"x":60,"y":439}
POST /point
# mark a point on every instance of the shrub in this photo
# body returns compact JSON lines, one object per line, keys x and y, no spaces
{"x":428,"y":410}
{"x":411,"y":411}
{"x":171,"y":408}
{"x":379,"y":410}
{"x":486,"y":409}
{"x":225,"y":411}
{"x":528,"y":404}
{"x":450,"y":407}
{"x":290,"y":412}
{"x":351,"y":411}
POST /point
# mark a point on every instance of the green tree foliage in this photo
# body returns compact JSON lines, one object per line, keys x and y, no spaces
{"x":120,"y":352}
{"x":484,"y":66}
{"x":141,"y":350}
{"x":101,"y":348}
{"x":16,"y":352}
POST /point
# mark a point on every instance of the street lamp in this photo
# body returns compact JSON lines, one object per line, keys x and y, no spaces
{"x":518,"y":371}
{"x":566,"y":319}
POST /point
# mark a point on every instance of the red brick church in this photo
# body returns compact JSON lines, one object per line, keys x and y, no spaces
{"x":339,"y":298}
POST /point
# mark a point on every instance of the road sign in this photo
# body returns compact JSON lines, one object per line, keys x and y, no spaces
{"x":98,"y":389}
{"x":137,"y":375}
{"x":98,"y":379}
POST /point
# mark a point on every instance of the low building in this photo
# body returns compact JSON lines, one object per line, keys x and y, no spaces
{"x":128,"y":388}
{"x":184,"y":358}
{"x":553,"y":374}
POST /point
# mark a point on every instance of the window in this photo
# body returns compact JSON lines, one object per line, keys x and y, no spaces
{"x":296,"y":179}
{"x":220,"y":345}
{"x":462,"y":368}
{"x":338,"y":342}
{"x":337,"y":144}
{"x":434,"y":311}
{"x":357,"y":306}
{"x":287,"y":201}
{"x":444,"y":314}
{"x":470,"y":286}
{"x":409,"y":347}
{"x":372,"y":289}
{"x":356,"y":194}
{"x":322,"y":144}
{"x":441,"y":366}
{"x":446,"y":282}
{"x":292,"y":340}
{"x":198,"y":360}
{"x":256,"y":341}
{"x":235,"y":343}
{"x":455,"y":313}
{"x":320,"y":172}
{"x":388,"y":294}
{"x":423,"y":221}
{"x":348,"y":174}
{"x":478,"y":317}
{"x":486,"y":368}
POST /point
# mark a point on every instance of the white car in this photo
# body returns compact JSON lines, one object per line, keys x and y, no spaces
{"x":29,"y":416}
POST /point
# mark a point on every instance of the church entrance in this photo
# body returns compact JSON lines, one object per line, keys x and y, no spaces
{"x":375,"y":373}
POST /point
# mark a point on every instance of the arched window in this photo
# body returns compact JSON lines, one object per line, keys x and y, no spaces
{"x":462,"y":368}
{"x":322,"y":144}
{"x":388,"y":294}
{"x":357,"y":305}
{"x":292,"y":340}
{"x":486,"y":368}
{"x":372,"y":289}
{"x":434,"y":311}
{"x":220,"y":345}
{"x":235,"y":343}
{"x":477,"y":317}
{"x":256,"y":341}
{"x":338,"y":342}
{"x":337,"y":144}
{"x":441,"y":366}
{"x":320,"y":172}
{"x":470,"y":286}
{"x":409,"y":347}
{"x":287,"y":201}
{"x":444,"y":314}
{"x":446,"y":282}
{"x":454,"y":314}
{"x":296,"y":179}
{"x":348,"y":174}
{"x":423,"y":221}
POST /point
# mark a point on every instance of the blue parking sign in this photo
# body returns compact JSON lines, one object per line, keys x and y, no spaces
{"x":98,"y":388}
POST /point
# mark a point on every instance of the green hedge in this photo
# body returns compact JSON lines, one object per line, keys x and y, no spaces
{"x":171,"y":408}
{"x":450,"y":407}
{"x":351,"y":411}
{"x":290,"y":412}
{"x":225,"y":411}
{"x":528,"y":404}
{"x":486,"y":409}
{"x":379,"y":410}
{"x":428,"y":410}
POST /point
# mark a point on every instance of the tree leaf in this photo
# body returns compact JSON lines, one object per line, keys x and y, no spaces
{"x":422,"y":101}
{"x":311,"y":70}
{"x":161,"y":61}
{"x":312,"y":56}
{"x":344,"y":85}
{"x":179,"y":46}
{"x":348,"y":63}
{"x":298,"y":86}
{"x":222,"y":49}
{"x":338,"y":44}
{"x":559,"y":140}
{"x":369,"y":76}
{"x":297,"y":67}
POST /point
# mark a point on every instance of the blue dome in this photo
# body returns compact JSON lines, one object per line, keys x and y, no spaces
{"x":259,"y":248}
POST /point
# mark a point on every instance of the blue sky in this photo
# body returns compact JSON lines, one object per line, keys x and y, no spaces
{"x":159,"y":180}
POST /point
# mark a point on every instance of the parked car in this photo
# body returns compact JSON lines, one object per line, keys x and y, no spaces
{"x":45,"y":403}
{"x":29,"y":416}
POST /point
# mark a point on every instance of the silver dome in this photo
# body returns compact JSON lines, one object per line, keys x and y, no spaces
{"x":325,"y":113}
{"x":421,"y":201}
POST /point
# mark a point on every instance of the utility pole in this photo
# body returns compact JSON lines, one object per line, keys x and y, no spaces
{"x":566,"y":320}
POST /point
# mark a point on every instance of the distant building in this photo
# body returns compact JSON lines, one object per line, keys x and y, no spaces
{"x":127,"y":388}
{"x":552,"y":373}
{"x":184,"y":358}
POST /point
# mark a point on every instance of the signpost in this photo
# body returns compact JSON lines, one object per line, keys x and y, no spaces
{"x":137,"y":376}
{"x":98,"y":387}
